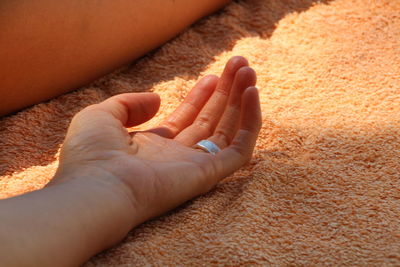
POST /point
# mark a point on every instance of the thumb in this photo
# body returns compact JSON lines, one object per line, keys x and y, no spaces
{"x":102,"y":125}
{"x":132,"y":108}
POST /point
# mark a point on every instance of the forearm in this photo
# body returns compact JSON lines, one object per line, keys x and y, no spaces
{"x":49,"y":47}
{"x":64,"y":224}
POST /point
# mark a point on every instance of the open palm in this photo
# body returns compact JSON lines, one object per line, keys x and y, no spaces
{"x":161,"y":168}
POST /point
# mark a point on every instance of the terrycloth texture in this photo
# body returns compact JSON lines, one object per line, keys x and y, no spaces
{"x":324,"y":185}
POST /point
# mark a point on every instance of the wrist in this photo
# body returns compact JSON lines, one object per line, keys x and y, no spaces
{"x":102,"y":185}
{"x":72,"y":219}
{"x":92,"y":176}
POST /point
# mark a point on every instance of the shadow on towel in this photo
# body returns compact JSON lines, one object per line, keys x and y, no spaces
{"x":203,"y":41}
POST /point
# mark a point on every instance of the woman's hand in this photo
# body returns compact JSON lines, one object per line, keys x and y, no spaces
{"x":159,"y":169}
{"x":110,"y":180}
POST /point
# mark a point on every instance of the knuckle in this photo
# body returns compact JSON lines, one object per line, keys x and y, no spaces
{"x":222,"y":137}
{"x":203,"y":120}
{"x":245,"y":151}
{"x":204,"y":123}
{"x":223,"y":91}
{"x":192,"y":106}
{"x":171,"y":125}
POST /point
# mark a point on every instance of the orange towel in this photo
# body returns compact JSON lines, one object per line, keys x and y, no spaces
{"x":323,"y":187}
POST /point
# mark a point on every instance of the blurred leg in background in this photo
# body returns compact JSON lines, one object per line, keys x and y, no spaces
{"x":51,"y":47}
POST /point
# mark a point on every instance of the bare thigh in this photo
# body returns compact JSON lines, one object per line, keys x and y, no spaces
{"x":50,"y":47}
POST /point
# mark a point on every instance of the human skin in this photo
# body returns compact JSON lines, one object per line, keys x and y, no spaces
{"x":109,"y":180}
{"x":50,"y":47}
